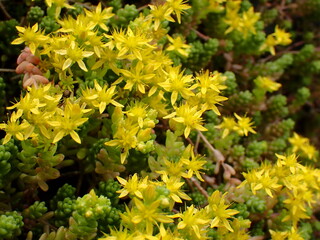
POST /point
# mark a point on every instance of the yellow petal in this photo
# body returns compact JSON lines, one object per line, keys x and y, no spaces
{"x":19,"y":136}
{"x":122,"y":181}
{"x":20,"y":29}
{"x":7,"y":138}
{"x":82,"y":65}
{"x":75,"y":137}
{"x":17,"y":41}
{"x":102,"y":107}
{"x":67,"y":64}
{"x":187,"y":132}
{"x":214,"y":222}
{"x":58,"y":136}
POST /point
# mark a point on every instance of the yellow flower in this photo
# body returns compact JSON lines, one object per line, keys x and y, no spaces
{"x":81,"y":27}
{"x":97,"y":44}
{"x":107,"y":57}
{"x":297,"y":208}
{"x":137,"y":76}
{"x":289,"y":161}
{"x":59,"y":5}
{"x":207,"y":80}
{"x":178,"y":45}
{"x":278,"y":235}
{"x":267,"y":84}
{"x":172,"y":168}
{"x":125,"y":137}
{"x":310,"y":151}
{"x":28,"y":105}
{"x":121,"y":234}
{"x":189,"y":117}
{"x":99,"y":17}
{"x":192,"y":220}
{"x":249,"y":19}
{"x":131,"y":42}
{"x":261,"y":179}
{"x":160,"y":13}
{"x":279,"y":37}
{"x":150,"y":214}
{"x":282,"y":37}
{"x":140,"y":113}
{"x":244,"y":125}
{"x":177,"y":83}
{"x":174,"y":185}
{"x":228,"y":124}
{"x":208,"y":101}
{"x":218,"y":209}
{"x":157,"y":101}
{"x":74,"y":54}
{"x":233,"y":20}
{"x":68,"y":121}
{"x":31,"y":36}
{"x":301,"y":143}
{"x":294,"y":234}
{"x":269,"y":44}
{"x":194,"y":165}
{"x":178,"y":7}
{"x":105,"y":97}
{"x":244,"y":23}
{"x":133,"y":186}
{"x":167,"y":234}
{"x":14,"y":128}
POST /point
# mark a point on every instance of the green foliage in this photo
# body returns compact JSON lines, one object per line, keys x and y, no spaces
{"x":124,"y":15}
{"x":200,"y":54}
{"x":249,"y":163}
{"x":115,"y":4}
{"x":255,"y":149}
{"x":255,"y":204}
{"x":66,"y":191}
{"x":231,"y":83}
{"x":87,"y":211}
{"x":197,"y":198}
{"x":36,"y":210}
{"x":7,"y":34}
{"x":49,"y":24}
{"x":277,"y":107}
{"x":276,"y":146}
{"x":238,"y":151}
{"x":173,"y":119}
{"x":109,"y":189}
{"x":10,"y":225}
{"x":243,"y":210}
{"x":63,"y":211}
{"x":35,"y":14}
{"x":78,"y":9}
{"x":5,"y":165}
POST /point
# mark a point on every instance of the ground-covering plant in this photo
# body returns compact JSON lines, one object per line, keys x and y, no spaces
{"x":159,"y":119}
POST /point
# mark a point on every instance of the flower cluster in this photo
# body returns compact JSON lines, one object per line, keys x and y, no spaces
{"x":279,"y":37}
{"x":244,"y":22}
{"x":298,"y":184}
{"x":151,"y":201}
{"x":302,"y":144}
{"x":146,"y":71}
{"x":242,"y":127}
{"x":43,"y":120}
{"x":173,"y":119}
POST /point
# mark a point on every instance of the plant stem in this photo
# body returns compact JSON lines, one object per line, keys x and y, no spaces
{"x":199,"y":187}
{"x":7,"y":70}
{"x":218,"y":155}
{"x":5,"y":11}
